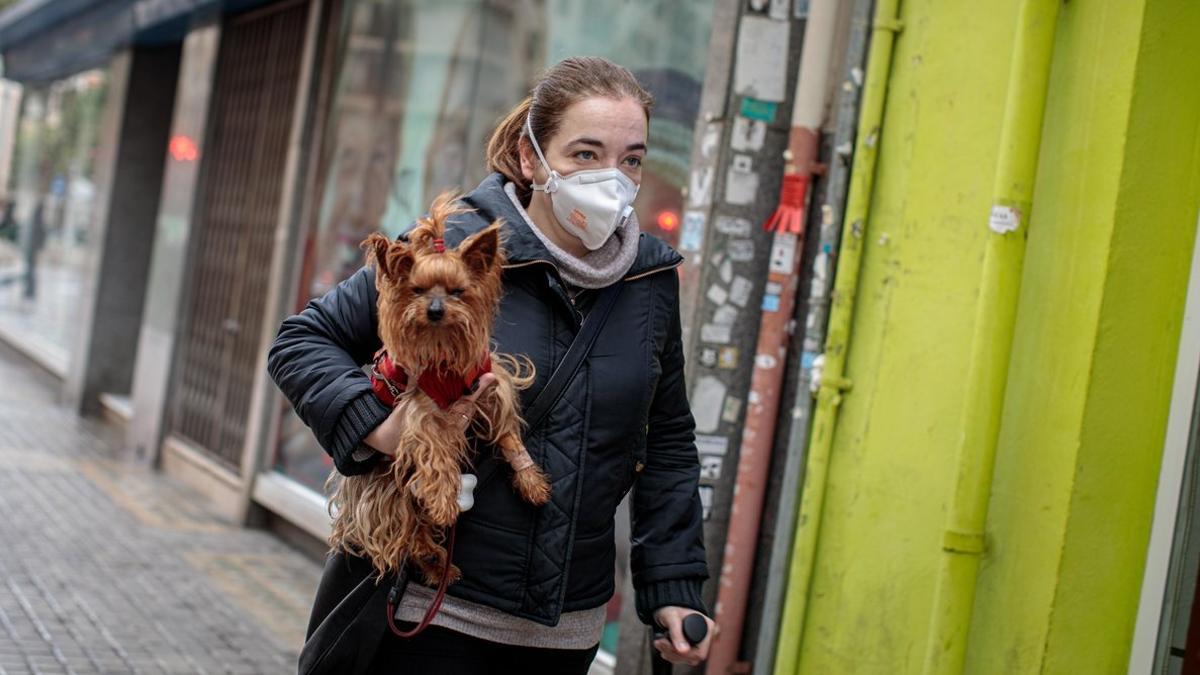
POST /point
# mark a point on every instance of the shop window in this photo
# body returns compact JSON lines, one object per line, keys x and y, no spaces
{"x":46,"y":217}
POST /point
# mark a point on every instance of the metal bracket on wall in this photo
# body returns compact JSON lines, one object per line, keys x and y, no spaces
{"x":966,"y":543}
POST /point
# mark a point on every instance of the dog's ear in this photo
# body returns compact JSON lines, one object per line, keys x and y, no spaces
{"x":400,"y":261}
{"x":376,"y":247}
{"x":481,"y":251}
{"x":392,"y":259}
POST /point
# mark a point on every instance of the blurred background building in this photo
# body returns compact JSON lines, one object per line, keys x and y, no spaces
{"x":1002,"y":469}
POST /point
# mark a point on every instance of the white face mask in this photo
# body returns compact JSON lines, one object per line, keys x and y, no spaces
{"x":590,"y":204}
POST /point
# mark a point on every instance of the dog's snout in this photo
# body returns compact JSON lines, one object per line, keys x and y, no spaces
{"x":435,"y":311}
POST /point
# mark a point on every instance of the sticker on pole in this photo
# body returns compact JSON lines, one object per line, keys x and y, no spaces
{"x":1004,"y":219}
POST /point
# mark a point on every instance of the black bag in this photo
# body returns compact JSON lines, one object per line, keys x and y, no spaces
{"x":347,"y":638}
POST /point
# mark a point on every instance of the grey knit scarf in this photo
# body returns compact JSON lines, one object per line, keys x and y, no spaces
{"x":596,"y":269}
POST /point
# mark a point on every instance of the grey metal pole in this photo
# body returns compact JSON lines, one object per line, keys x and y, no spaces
{"x":814,"y":326}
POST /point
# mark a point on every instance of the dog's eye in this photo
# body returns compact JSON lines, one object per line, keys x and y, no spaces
{"x":457,"y":292}
{"x":417,"y":290}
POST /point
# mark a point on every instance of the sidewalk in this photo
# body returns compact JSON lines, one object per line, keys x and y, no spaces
{"x":109,"y":567}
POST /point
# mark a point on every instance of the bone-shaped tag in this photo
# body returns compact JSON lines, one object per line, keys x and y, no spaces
{"x":466,"y":493}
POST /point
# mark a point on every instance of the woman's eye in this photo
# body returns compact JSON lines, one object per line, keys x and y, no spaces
{"x":456,"y":292}
{"x":585,"y":155}
{"x":633,"y":161}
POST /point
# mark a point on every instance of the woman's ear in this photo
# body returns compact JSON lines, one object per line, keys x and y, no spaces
{"x":529,"y":161}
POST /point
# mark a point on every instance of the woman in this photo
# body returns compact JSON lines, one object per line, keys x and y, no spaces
{"x":566,"y":166}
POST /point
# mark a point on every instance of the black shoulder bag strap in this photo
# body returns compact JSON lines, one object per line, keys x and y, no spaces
{"x":564,"y":373}
{"x":576,"y":354}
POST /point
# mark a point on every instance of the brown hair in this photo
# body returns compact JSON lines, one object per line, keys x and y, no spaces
{"x":565,"y":83}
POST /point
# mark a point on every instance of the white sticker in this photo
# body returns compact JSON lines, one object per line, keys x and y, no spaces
{"x":743,"y":163}
{"x":779,"y":10}
{"x":762,"y":51}
{"x":1004,"y":219}
{"x":706,"y":500}
{"x":774,"y":288}
{"x":733,"y":406}
{"x":708,"y":399}
{"x":712,"y":445}
{"x":741,"y":187}
{"x":717,"y":294}
{"x":783,"y":251}
{"x":727,"y":359}
{"x":700,"y":187}
{"x":734,"y":227}
{"x":820,"y":273}
{"x":726,"y":272}
{"x":692,"y":236}
{"x":708,"y":357}
{"x":712,"y":138}
{"x":725,"y":315}
{"x":710,"y":467}
{"x":739,"y":292}
{"x":715,"y":333}
{"x":765,"y":361}
{"x":740,"y":250}
{"x":747,"y":134}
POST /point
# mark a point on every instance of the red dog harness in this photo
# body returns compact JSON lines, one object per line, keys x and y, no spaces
{"x":443,"y":386}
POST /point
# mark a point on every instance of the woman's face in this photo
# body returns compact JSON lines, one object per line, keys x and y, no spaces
{"x":596,"y":133}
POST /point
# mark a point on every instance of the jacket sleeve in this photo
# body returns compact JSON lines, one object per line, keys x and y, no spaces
{"x":316,"y":360}
{"x":667,"y":547}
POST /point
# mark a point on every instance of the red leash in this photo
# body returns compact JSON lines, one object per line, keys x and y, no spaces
{"x":434,"y":607}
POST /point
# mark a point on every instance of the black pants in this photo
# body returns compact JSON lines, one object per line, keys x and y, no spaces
{"x":439,"y":650}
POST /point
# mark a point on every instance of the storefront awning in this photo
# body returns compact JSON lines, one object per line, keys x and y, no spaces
{"x":44,"y":40}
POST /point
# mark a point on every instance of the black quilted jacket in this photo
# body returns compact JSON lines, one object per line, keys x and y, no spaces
{"x":623,"y":423}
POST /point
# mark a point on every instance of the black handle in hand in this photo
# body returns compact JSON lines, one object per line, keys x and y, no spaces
{"x":695,"y":629}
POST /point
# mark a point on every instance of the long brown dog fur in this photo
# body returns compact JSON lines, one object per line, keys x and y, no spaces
{"x":400,"y":509}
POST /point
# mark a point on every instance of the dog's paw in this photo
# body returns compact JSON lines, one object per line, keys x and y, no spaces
{"x":533,"y":486}
{"x":431,"y":571}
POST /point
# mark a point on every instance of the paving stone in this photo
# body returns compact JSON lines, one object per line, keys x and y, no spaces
{"x":107,"y":566}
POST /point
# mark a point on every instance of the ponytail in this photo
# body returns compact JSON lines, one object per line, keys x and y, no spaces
{"x":504,"y":148}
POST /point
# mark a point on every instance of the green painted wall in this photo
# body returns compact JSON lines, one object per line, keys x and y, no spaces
{"x":1105,"y":272}
{"x":1094,"y":352}
{"x":891,"y":464}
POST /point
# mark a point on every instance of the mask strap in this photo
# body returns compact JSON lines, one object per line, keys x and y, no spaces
{"x":551,"y":184}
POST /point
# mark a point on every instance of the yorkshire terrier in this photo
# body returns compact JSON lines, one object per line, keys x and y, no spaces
{"x":436,"y":307}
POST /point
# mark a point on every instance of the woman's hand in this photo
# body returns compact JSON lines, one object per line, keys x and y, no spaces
{"x":386,"y":437}
{"x":676,"y":649}
{"x":464,"y":408}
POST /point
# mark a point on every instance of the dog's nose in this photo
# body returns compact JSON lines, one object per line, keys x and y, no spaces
{"x":435,"y":312}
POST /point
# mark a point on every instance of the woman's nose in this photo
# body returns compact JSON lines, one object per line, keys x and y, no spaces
{"x":435,"y":311}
